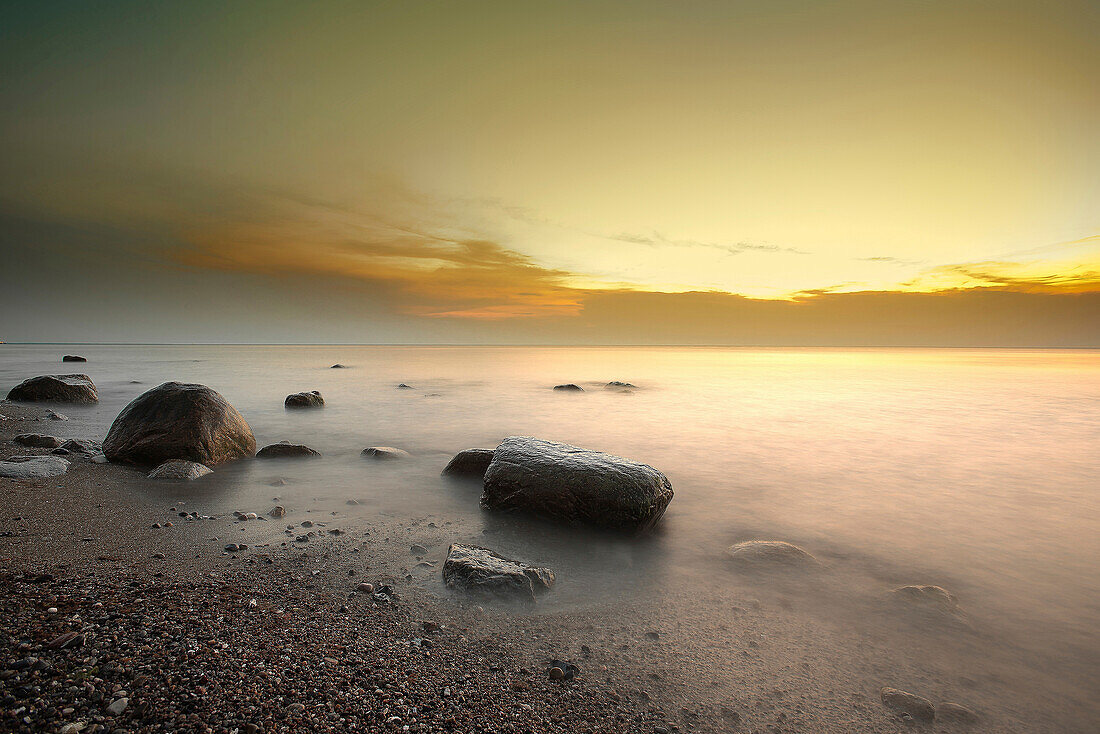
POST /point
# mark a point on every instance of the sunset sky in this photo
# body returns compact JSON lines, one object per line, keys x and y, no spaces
{"x":596,"y":172}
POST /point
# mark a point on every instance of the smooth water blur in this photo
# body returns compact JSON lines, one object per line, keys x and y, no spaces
{"x":974,"y":469}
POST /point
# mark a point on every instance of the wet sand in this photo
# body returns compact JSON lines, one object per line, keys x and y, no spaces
{"x":276,"y":638}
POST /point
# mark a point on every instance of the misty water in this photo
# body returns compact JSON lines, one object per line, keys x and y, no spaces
{"x":976,"y":470}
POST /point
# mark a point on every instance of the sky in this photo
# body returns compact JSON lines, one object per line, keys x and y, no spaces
{"x":773,"y":173}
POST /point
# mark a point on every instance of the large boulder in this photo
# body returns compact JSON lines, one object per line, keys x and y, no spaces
{"x":180,"y":470}
{"x":179,"y":421}
{"x":469,"y":463}
{"x":286,"y":451}
{"x":304,"y":400}
{"x":480,"y":570}
{"x":55,"y":389}
{"x":33,"y":467}
{"x":574,"y":485}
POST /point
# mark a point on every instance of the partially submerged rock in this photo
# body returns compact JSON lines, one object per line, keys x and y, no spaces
{"x":311,"y":399}
{"x":56,"y":389}
{"x":569,"y":388}
{"x":403,"y":386}
{"x":480,"y":570}
{"x":179,"y":421}
{"x":180,"y":470}
{"x":616,"y":385}
{"x":37,"y":441}
{"x":33,"y":467}
{"x":771,"y":553}
{"x":469,"y":463}
{"x":574,"y":485}
{"x":384,"y":453}
{"x":918,"y":707}
{"x":73,"y":358}
{"x":338,"y":366}
{"x":928,"y":597}
{"x":286,"y":451}
{"x":956,"y":713}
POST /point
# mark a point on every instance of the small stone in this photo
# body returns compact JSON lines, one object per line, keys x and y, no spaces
{"x":232,"y":548}
{"x":118,"y":706}
{"x":277,"y":511}
{"x":418,"y":550}
{"x":916,"y":706}
{"x":365,"y":588}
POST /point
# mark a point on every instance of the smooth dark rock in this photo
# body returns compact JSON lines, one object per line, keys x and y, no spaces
{"x":37,"y":441}
{"x":616,"y":385}
{"x":55,"y":389}
{"x":480,"y":570}
{"x":569,"y":388}
{"x":180,"y":470}
{"x":384,"y":453}
{"x":179,"y":421}
{"x":338,"y":366}
{"x":85,"y":446}
{"x":403,"y":386}
{"x":770,"y":553}
{"x":286,"y":451}
{"x":574,"y":485}
{"x":73,"y":358}
{"x":305,"y":400}
{"x":918,"y":707}
{"x":469,"y":463}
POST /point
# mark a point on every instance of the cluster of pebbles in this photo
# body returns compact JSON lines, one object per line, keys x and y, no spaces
{"x":92,"y":654}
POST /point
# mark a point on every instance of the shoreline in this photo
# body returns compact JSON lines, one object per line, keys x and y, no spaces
{"x":778,"y":658}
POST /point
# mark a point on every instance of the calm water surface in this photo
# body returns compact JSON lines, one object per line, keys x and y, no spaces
{"x":974,"y":469}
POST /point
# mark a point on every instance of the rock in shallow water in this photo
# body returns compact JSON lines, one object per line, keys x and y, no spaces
{"x":34,"y":467}
{"x":286,"y":451}
{"x":179,"y":421}
{"x":384,"y":453}
{"x":771,"y":553}
{"x":55,"y":389}
{"x":932,"y":597}
{"x":480,"y":570}
{"x":73,"y":358}
{"x":180,"y":470}
{"x":570,"y":484}
{"x":469,"y":463}
{"x":569,"y":388}
{"x":918,"y":707}
{"x":305,"y":400}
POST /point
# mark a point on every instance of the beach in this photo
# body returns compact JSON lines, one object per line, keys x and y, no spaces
{"x":280,"y":636}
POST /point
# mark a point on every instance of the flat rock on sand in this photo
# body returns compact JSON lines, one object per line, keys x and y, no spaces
{"x":384,"y":453}
{"x":37,"y":440}
{"x":56,"y":389}
{"x":33,"y":467}
{"x":179,"y":421}
{"x":771,"y":553}
{"x":469,"y":463}
{"x":180,"y":470}
{"x":574,"y":485}
{"x":286,"y":451}
{"x":481,"y":570}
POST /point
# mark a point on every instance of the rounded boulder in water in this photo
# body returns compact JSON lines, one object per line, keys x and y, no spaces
{"x":179,"y":421}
